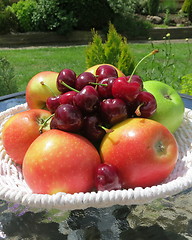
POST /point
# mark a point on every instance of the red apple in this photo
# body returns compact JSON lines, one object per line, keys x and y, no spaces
{"x":21,"y":130}
{"x":143,"y":151}
{"x":40,"y":87}
{"x":59,"y":161}
{"x":93,"y":69}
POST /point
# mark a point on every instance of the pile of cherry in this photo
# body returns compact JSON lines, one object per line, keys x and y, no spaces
{"x":92,"y":104}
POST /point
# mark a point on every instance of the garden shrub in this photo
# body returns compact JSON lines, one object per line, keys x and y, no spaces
{"x":167,"y":19}
{"x":132,"y":27}
{"x":7,"y":80}
{"x":115,"y":50}
{"x":43,"y":15}
{"x":123,"y":7}
{"x":169,"y":5}
{"x":187,"y":8}
{"x":24,"y":11}
{"x":89,"y":13}
{"x":95,"y":53}
{"x":8,"y":21}
{"x":61,"y":15}
{"x":48,"y":16}
{"x":126,"y":20}
{"x":142,"y":7}
{"x":153,"y":7}
{"x":186,"y":84}
{"x":3,"y":4}
{"x":112,"y":46}
{"x":126,"y":60}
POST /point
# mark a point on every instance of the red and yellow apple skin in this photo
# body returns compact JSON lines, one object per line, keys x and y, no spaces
{"x":94,"y":68}
{"x":37,"y":93}
{"x":143,"y":151}
{"x":21,"y":130}
{"x":58,"y":161}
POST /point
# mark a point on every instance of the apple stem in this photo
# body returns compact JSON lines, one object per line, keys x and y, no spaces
{"x":98,"y":84}
{"x":44,"y":84}
{"x":107,"y":130}
{"x":137,"y":111}
{"x":45,"y":122}
{"x":148,"y":55}
{"x":69,"y":87}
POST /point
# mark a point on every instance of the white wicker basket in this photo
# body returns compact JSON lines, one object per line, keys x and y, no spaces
{"x":14,"y":189}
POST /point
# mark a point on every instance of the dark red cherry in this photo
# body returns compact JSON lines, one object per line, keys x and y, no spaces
{"x":92,"y":128}
{"x":87,"y":99}
{"x":53,"y":123}
{"x":67,"y":118}
{"x":84,"y":79}
{"x":105,"y":91}
{"x":146,"y":104}
{"x":52,"y":103}
{"x":67,"y":76}
{"x":106,"y":71}
{"x":124,"y":90}
{"x":113,"y":110}
{"x":107,"y":178}
{"x":136,"y":78}
{"x":67,"y":98}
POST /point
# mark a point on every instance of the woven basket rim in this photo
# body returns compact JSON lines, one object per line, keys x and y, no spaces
{"x":14,"y":189}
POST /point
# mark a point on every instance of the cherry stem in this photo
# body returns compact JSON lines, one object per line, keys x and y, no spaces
{"x":45,"y":122}
{"x":44,"y":84}
{"x":98,"y":84}
{"x":69,"y":87}
{"x":148,"y":55}
{"x":137,"y":111}
{"x":107,"y":130}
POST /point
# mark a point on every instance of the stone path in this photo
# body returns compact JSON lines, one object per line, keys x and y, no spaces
{"x":76,"y":38}
{"x":67,"y":46}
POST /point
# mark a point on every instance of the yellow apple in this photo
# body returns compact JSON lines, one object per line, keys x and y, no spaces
{"x":40,"y":87}
{"x":94,"y":68}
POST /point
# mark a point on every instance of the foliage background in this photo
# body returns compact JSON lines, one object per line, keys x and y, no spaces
{"x":63,"y":16}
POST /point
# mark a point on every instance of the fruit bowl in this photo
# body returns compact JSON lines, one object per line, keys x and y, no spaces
{"x":14,"y":189}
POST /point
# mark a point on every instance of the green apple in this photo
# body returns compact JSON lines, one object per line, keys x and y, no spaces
{"x":170,"y":106}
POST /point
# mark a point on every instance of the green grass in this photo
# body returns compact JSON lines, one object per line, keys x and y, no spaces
{"x":166,"y":26}
{"x":169,"y":65}
{"x":28,"y":62}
